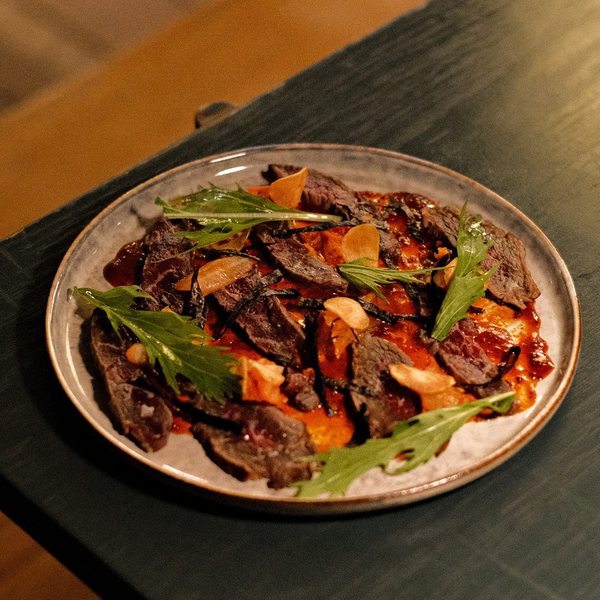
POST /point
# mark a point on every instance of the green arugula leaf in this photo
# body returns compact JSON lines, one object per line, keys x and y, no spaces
{"x":372,"y":278}
{"x":417,"y":439}
{"x":468,"y":282}
{"x":225,"y":213}
{"x":179,"y":346}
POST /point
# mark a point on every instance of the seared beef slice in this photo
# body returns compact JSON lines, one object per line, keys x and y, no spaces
{"x":265,"y":321}
{"x":295,"y":260}
{"x":463,"y":357}
{"x":260,"y":442}
{"x":322,"y":193}
{"x":375,"y":395}
{"x":166,"y":263}
{"x":298,"y":387}
{"x":511,"y":282}
{"x":138,"y":412}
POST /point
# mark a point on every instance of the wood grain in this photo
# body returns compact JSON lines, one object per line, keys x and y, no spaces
{"x":73,"y":137}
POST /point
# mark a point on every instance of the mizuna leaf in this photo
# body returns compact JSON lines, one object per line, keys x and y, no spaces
{"x":225,"y":213}
{"x":468,"y":282}
{"x":417,"y":440}
{"x":372,"y":278}
{"x":172,"y":340}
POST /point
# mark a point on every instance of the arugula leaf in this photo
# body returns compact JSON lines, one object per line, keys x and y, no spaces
{"x":224,"y":213}
{"x":468,"y":282}
{"x":417,"y":439}
{"x":179,"y":346}
{"x":372,"y":278}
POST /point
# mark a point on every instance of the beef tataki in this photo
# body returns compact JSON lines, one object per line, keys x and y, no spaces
{"x":295,"y":260}
{"x":463,"y":357}
{"x":375,"y":395}
{"x":265,"y":321}
{"x":256,"y":440}
{"x":166,"y":262}
{"x":137,"y":411}
{"x":322,"y":193}
{"x":511,"y":282}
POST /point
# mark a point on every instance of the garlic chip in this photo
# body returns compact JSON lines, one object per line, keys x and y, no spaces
{"x":185,"y":283}
{"x":287,"y":191}
{"x":219,"y":273}
{"x":453,"y":396}
{"x":421,"y":381}
{"x":261,"y":379}
{"x":216,"y":274}
{"x":349,"y":310}
{"x":361,"y":241}
{"x":443,"y":277}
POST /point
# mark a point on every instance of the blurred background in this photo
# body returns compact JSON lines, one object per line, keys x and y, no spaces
{"x":45,"y":41}
{"x":88,"y":88}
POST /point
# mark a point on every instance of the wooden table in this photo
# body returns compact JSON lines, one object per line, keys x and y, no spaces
{"x":503,"y":91}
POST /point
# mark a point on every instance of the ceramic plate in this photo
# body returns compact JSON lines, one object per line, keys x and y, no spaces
{"x":473,"y":451}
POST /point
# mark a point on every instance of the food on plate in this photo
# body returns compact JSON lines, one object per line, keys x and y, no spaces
{"x":305,"y":333}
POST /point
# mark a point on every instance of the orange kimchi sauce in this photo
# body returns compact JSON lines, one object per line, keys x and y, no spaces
{"x":501,"y":327}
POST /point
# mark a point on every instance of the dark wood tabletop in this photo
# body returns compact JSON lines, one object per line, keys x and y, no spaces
{"x":506,"y":92}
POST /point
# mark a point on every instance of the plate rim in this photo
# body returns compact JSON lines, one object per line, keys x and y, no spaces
{"x":341,"y":504}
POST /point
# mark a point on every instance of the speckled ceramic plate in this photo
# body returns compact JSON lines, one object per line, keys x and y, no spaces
{"x":473,"y":451}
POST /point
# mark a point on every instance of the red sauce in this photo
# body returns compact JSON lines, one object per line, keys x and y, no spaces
{"x":504,"y":327}
{"x":180,"y":425}
{"x":501,"y":328}
{"x":125,"y":268}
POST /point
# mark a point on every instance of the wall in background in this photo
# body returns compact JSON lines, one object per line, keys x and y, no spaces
{"x":43,"y":42}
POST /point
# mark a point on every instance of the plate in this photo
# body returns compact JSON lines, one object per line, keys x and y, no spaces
{"x":473,"y":451}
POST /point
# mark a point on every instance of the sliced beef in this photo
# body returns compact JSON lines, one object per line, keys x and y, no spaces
{"x":264,"y":320}
{"x":413,"y":205}
{"x":254,"y":440}
{"x":511,"y":282}
{"x":463,"y":357}
{"x":292,"y":257}
{"x":389,"y":248}
{"x":490,"y":389}
{"x":137,"y":411}
{"x":167,"y":261}
{"x":441,"y":222}
{"x":299,"y":388}
{"x":322,"y":193}
{"x":376,"y":396}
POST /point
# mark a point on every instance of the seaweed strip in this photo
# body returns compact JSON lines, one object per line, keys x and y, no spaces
{"x":508,"y":362}
{"x":385,"y":315}
{"x":243,"y":303}
{"x":310,"y":328}
{"x":286,"y":233}
{"x":215,"y":252}
{"x":310,"y":303}
{"x":284,"y":293}
{"x":197,"y":302}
